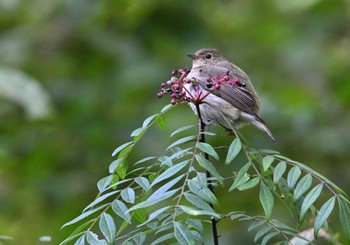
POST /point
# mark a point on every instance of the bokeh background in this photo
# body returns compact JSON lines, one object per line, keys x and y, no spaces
{"x":76,"y":77}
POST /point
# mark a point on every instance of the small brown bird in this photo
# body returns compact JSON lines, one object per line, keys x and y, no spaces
{"x":232,"y":105}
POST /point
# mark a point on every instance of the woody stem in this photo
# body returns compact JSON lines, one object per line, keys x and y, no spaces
{"x":201,"y":126}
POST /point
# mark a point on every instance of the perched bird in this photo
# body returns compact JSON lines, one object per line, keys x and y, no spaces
{"x":232,"y":105}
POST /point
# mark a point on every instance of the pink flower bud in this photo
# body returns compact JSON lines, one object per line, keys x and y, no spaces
{"x":226,"y":78}
{"x":160,"y":95}
{"x":217,"y":86}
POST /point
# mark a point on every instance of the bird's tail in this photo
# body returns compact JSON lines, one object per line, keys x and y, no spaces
{"x":260,"y":124}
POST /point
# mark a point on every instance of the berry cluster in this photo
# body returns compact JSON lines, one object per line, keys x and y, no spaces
{"x":175,"y":86}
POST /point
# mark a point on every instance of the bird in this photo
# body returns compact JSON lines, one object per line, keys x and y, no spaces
{"x":232,"y":105}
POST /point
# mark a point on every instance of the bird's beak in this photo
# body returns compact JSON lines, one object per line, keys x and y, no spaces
{"x":192,"y":56}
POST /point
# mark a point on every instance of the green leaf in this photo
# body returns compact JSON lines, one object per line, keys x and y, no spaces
{"x":161,"y":239}
{"x":120,"y":148}
{"x":268,"y":237}
{"x":204,"y":163}
{"x":103,"y":183}
{"x":72,"y":237}
{"x":195,"y":224}
{"x":182,"y":141}
{"x":100,"y":199}
{"x":161,"y":122}
{"x":139,"y":238}
{"x":344,"y":214}
{"x":114,"y":165}
{"x":206,"y":148}
{"x":293,"y":176}
{"x":107,"y":227}
{"x":323,"y":214}
{"x":121,"y":210}
{"x":144,"y":160}
{"x":303,"y":185}
{"x":241,"y":177}
{"x":138,"y":132}
{"x":170,"y":172}
{"x":279,"y":171}
{"x":182,"y":234}
{"x":195,"y":212}
{"x":80,"y":241}
{"x":233,"y":150}
{"x":202,"y":191}
{"x":148,"y":120}
{"x":128,"y":195}
{"x":255,"y":225}
{"x":179,"y":130}
{"x":195,"y":200}
{"x":143,"y":182}
{"x":309,"y":199}
{"x":92,"y":239}
{"x":166,"y":108}
{"x":249,"y":184}
{"x":261,"y":233}
{"x":266,"y":199}
{"x":84,"y":215}
{"x":155,"y":214}
{"x":267,"y":161}
{"x":159,"y":195}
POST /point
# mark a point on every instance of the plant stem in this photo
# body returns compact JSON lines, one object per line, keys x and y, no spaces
{"x":201,"y":126}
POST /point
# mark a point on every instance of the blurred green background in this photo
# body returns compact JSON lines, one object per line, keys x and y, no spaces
{"x":76,"y":77}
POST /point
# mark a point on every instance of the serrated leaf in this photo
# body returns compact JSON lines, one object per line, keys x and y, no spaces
{"x":241,"y":177}
{"x":344,"y":214}
{"x":323,"y":214}
{"x":206,"y":148}
{"x":233,"y":150}
{"x":279,"y":171}
{"x":120,"y":148}
{"x":202,"y":191}
{"x":143,"y":182}
{"x":128,"y":195}
{"x":182,"y":234}
{"x":309,"y":199}
{"x":198,"y":202}
{"x":114,"y":165}
{"x":148,"y":120}
{"x":261,"y":233}
{"x":266,"y":199}
{"x":107,"y":227}
{"x":103,"y":183}
{"x":293,"y":176}
{"x":170,"y":172}
{"x":121,"y":210}
{"x":204,"y":163}
{"x":100,"y":199}
{"x":179,"y":130}
{"x":249,"y":184}
{"x":159,"y":195}
{"x":84,"y":215}
{"x":267,"y":161}
{"x":182,"y":141}
{"x":302,"y":186}
{"x":92,"y":239}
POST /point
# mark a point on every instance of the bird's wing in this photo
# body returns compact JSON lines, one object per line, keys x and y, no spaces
{"x":241,"y":97}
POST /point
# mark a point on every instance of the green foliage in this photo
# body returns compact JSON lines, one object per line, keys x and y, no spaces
{"x":170,"y":198}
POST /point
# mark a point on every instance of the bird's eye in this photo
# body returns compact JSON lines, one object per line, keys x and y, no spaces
{"x":208,"y":56}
